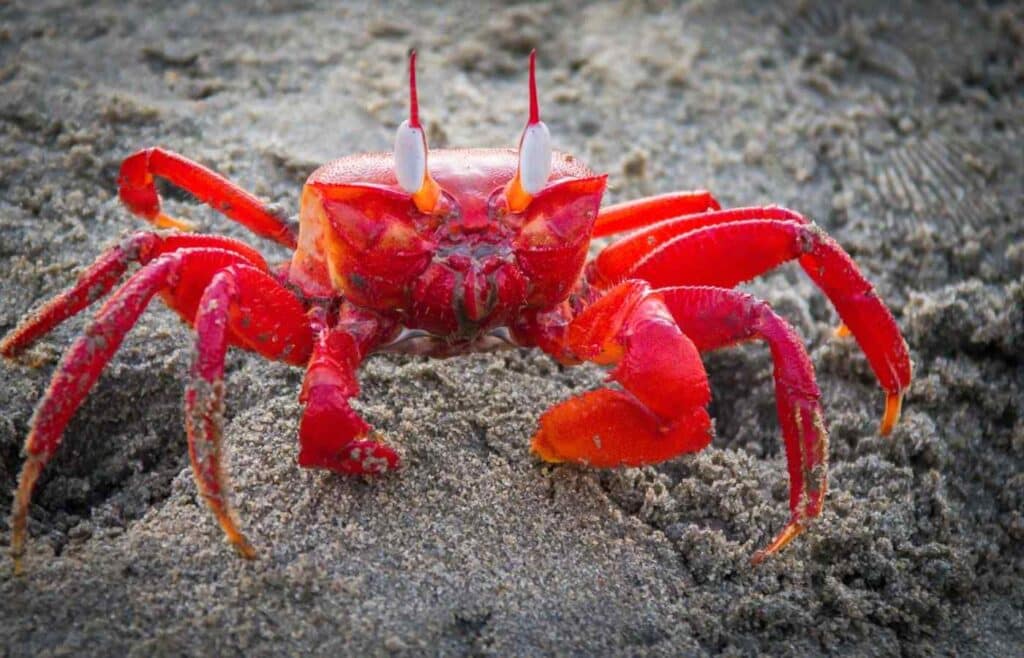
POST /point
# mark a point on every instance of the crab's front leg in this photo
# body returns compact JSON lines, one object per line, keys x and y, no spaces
{"x":659,"y":412}
{"x":331,"y":434}
{"x":137,"y":189}
{"x":245,"y":306}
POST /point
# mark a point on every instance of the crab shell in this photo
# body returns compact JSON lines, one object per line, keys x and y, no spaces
{"x":467,"y":269}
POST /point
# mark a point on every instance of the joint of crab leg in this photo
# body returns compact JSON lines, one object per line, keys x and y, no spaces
{"x":137,"y":190}
{"x":534,"y":153}
{"x":411,"y":154}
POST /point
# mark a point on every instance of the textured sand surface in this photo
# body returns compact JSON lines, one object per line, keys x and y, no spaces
{"x":895,"y":126}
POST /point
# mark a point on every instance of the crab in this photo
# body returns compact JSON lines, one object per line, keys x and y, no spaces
{"x":463,"y":251}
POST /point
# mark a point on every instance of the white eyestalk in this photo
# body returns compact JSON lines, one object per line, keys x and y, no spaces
{"x":411,"y":153}
{"x":535,"y":157}
{"x":534,"y":153}
{"x":410,"y":157}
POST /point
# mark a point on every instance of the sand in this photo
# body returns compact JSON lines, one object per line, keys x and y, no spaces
{"x":895,"y":126}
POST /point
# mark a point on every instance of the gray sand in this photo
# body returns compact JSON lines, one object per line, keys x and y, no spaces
{"x":895,"y":127}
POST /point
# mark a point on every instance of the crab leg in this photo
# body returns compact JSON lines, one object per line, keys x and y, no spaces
{"x":728,"y":247}
{"x":719,"y":317}
{"x":76,"y":375}
{"x":177,"y":273}
{"x":100,"y":277}
{"x":662,"y":410}
{"x":138,"y":191}
{"x":331,"y":434}
{"x":251,"y":304}
{"x":644,"y":212}
{"x":616,"y":261}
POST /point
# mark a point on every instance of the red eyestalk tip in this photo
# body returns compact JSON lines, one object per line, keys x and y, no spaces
{"x":414,"y":105}
{"x":534,"y":106}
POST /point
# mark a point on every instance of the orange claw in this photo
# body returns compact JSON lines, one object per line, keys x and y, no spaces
{"x":893,"y":405}
{"x":788,"y":534}
{"x":662,"y":411}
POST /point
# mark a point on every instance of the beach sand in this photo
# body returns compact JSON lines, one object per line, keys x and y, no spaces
{"x":895,"y":126}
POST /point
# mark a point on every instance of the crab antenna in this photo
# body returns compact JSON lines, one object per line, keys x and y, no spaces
{"x":534,"y":105}
{"x":414,"y":105}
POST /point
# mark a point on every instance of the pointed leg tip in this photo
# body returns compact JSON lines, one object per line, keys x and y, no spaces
{"x":842,"y":331}
{"x":891,"y":416}
{"x":235,"y":537}
{"x":788,"y":534}
{"x":166,"y":221}
{"x":18,"y":567}
{"x":245,"y":549}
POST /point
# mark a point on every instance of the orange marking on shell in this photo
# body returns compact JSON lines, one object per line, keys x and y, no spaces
{"x":517,"y":198}
{"x":428,"y":196}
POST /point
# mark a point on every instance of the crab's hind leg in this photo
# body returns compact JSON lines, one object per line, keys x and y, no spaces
{"x":728,"y":247}
{"x":75,"y":376}
{"x":92,"y":350}
{"x":138,"y":191}
{"x":331,"y":434}
{"x":660,"y":411}
{"x":719,"y":317}
{"x":245,"y":306}
{"x":104,"y":273}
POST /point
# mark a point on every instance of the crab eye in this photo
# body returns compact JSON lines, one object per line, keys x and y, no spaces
{"x":535,"y":157}
{"x":410,"y":157}
{"x":411,"y":154}
{"x":534,"y":153}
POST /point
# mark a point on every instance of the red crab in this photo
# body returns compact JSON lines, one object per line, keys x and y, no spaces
{"x":460,"y":252}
